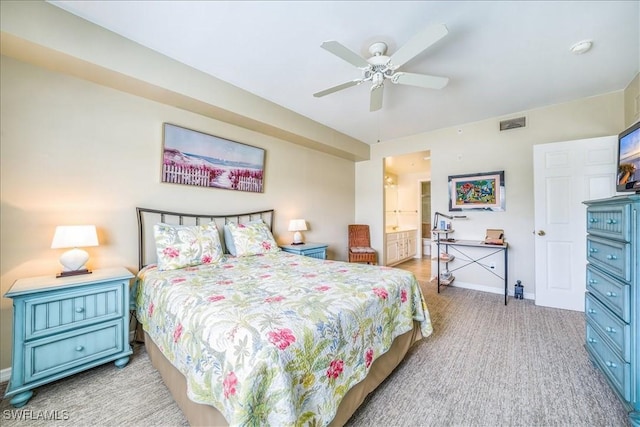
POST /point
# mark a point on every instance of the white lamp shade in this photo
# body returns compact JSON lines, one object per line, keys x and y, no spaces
{"x":74,"y":236}
{"x":297,"y":225}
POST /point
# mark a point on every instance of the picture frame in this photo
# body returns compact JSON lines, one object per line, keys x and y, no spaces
{"x":198,"y":159}
{"x":478,"y":191}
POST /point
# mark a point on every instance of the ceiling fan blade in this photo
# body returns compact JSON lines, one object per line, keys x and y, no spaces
{"x":346,"y":54}
{"x":417,"y":44}
{"x":337,"y":88}
{"x":420,"y":80}
{"x":376,"y":98}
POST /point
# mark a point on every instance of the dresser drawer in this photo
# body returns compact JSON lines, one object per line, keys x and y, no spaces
{"x":618,"y":372}
{"x":610,"y":221}
{"x":58,"y":311}
{"x":49,"y":356}
{"x":611,"y":256}
{"x":610,"y":326}
{"x":614,"y":294}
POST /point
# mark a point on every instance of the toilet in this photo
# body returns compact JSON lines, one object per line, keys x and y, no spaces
{"x":426,"y":247}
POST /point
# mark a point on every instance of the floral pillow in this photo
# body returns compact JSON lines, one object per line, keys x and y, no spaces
{"x":181,"y":246}
{"x":251,"y":238}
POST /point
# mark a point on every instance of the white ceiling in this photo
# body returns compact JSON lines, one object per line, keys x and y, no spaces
{"x":502,"y":57}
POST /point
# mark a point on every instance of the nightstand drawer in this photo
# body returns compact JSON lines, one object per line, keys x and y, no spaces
{"x":63,"y":352}
{"x":610,"y":221}
{"x":609,"y":325}
{"x":612,"y":293}
{"x":611,"y":256}
{"x":618,"y":372}
{"x":59,"y":311}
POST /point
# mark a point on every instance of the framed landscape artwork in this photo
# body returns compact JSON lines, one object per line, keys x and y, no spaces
{"x":198,"y":159}
{"x":483,"y":191}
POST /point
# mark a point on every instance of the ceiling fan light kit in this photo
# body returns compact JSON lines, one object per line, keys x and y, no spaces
{"x":581,"y":47}
{"x":380,"y":67}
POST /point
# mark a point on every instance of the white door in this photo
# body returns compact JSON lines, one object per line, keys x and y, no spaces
{"x":565,"y":175}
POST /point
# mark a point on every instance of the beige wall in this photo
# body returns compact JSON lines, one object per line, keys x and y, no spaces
{"x":632,"y":102}
{"x":74,"y":152}
{"x":481,"y":147}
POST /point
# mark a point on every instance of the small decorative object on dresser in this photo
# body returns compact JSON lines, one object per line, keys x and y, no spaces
{"x":313,"y":250}
{"x":612,"y":305}
{"x":62,"y":326}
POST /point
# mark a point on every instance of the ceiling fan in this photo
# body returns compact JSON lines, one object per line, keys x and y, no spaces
{"x":380,"y":67}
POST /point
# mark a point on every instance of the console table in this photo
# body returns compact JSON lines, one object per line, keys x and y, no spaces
{"x":456,"y":249}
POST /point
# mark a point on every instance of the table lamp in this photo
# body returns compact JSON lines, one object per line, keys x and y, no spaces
{"x":438,"y":215}
{"x":297,"y":225}
{"x":74,"y":236}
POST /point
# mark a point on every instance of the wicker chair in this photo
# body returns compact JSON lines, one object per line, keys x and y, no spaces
{"x":360,"y":249}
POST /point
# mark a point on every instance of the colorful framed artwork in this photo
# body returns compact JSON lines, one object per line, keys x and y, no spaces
{"x":482,"y":191}
{"x":195,"y":158}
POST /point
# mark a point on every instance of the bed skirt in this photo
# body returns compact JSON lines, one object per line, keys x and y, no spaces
{"x":205,"y":415}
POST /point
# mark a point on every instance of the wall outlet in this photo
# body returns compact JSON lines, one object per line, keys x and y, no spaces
{"x":492,"y":265}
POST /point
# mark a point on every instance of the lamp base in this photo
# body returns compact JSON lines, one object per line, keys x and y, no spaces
{"x":73,"y":273}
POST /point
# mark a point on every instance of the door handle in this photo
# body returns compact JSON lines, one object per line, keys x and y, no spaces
{"x":541,"y":233}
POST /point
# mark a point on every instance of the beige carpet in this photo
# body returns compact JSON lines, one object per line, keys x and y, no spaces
{"x":485,"y":365}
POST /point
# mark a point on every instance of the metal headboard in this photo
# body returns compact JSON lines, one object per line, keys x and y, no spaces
{"x":147,"y":218}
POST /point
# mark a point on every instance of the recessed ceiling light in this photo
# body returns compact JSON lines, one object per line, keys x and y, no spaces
{"x":581,"y":47}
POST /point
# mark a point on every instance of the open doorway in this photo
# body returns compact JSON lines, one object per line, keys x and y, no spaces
{"x":404,"y":204}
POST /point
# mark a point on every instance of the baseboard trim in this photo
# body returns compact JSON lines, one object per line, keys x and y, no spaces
{"x":5,"y":375}
{"x":490,"y":289}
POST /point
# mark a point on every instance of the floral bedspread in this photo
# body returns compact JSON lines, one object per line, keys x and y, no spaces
{"x":277,"y":339}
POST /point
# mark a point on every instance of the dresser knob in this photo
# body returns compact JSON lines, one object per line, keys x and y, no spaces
{"x":79,"y":348}
{"x":79,"y":309}
{"x":592,"y":281}
{"x":612,"y":257}
{"x":611,"y":221}
{"x":612,"y":294}
{"x":592,"y":340}
{"x":593,"y":250}
{"x":610,"y":330}
{"x":611,"y":364}
{"x":592,"y":311}
{"x":593,"y":220}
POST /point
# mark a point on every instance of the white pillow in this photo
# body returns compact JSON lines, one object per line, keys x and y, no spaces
{"x":251,"y":238}
{"x":179,"y":246}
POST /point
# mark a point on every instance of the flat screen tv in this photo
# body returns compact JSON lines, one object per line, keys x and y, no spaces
{"x":629,"y":160}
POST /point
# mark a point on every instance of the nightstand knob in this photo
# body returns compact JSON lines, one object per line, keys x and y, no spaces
{"x":610,"y":330}
{"x":612,"y":257}
{"x":79,"y":309}
{"x":79,"y":348}
{"x":593,"y":220}
{"x":592,"y":340}
{"x":611,"y":221}
{"x":592,"y":281}
{"x":591,"y":311}
{"x":611,"y":364}
{"x":612,"y":294}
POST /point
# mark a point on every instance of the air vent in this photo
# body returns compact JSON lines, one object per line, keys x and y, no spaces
{"x":520,"y":122}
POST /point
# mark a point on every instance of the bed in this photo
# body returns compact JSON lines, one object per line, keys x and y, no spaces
{"x":243,"y":333}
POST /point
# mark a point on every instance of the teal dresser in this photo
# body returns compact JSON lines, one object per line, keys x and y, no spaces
{"x":313,"y":250}
{"x":62,"y":326}
{"x":612,"y":304}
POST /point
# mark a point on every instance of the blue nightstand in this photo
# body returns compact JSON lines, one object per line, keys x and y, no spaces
{"x":313,"y":250}
{"x":62,"y":326}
